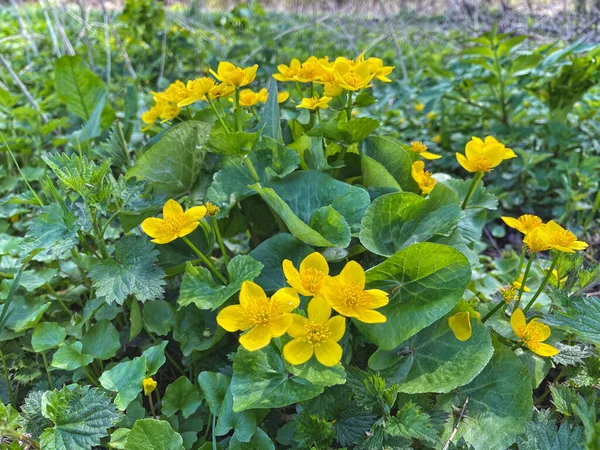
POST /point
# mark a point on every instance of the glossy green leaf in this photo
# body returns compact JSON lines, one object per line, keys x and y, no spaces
{"x":152,"y":434}
{"x":159,"y":317}
{"x":181,"y":395}
{"x":47,"y":335}
{"x":70,"y":357}
{"x":394,"y":158}
{"x":214,"y":385}
{"x":101,"y":341}
{"x":126,"y":380}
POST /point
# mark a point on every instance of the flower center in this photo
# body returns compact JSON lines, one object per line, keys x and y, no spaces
{"x":351,"y":79}
{"x":175,"y":223}
{"x":309,"y":72}
{"x":353,"y":295}
{"x":564,"y":238}
{"x":311,"y":280}
{"x":481,"y":163}
{"x":261,"y":312}
{"x":316,"y":333}
{"x":236,"y":77}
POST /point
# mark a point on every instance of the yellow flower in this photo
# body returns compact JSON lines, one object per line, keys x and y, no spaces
{"x":288,"y":73}
{"x":352,"y":78}
{"x":264,"y":317}
{"x":508,"y":152}
{"x":437,"y":139}
{"x":222,"y":90}
{"x":308,"y":280}
{"x":508,"y":293}
{"x":169,"y":112}
{"x":150,"y":117}
{"x":332,"y":90}
{"x":310,"y":70}
{"x":431,"y":115}
{"x":314,"y":103}
{"x":376,"y":67}
{"x":174,"y":224}
{"x":481,"y":156}
{"x":249,"y":98}
{"x":419,"y":107}
{"x":282,"y":96}
{"x":534,"y":240}
{"x":316,"y":335}
{"x":518,"y":283}
{"x":557,"y":238}
{"x":197,"y":90}
{"x":533,"y":334}
{"x":347,"y":295}
{"x":211,"y":210}
{"x":423,"y":178}
{"x":421,"y":149}
{"x":460,"y":324}
{"x":176,"y":92}
{"x":554,"y":280}
{"x":524,"y":223}
{"x":149,"y":385}
{"x":235,"y":76}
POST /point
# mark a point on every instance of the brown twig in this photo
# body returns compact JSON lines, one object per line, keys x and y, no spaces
{"x":455,"y":430}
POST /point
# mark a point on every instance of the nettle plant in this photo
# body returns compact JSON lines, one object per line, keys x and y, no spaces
{"x":249,"y":282}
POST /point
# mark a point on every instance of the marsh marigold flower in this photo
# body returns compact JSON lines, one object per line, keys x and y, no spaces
{"x":352,"y":78}
{"x":347,"y":295}
{"x":437,"y":139}
{"x":534,"y":240}
{"x":533,"y":334}
{"x":309,"y":279}
{"x":557,"y":238}
{"x":288,"y":73}
{"x":197,"y":90}
{"x":481,"y":156}
{"x":316,"y":335}
{"x":176,"y":92}
{"x":222,"y":90}
{"x":423,"y":178}
{"x":264,"y":318}
{"x":235,"y":76}
{"x":508,"y":293}
{"x":311,"y":70}
{"x":175,"y":222}
{"x":211,"y":210}
{"x":460,"y":324}
{"x":149,"y":385}
{"x":524,"y":223}
{"x":419,"y":107}
{"x":421,"y":149}
{"x":508,"y":152}
{"x":249,"y":98}
{"x":314,"y":103}
{"x":517,"y":284}
{"x":377,"y":68}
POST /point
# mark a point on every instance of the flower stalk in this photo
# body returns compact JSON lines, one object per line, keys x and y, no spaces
{"x":544,"y":282}
{"x":476,"y":178}
{"x":205,"y":260}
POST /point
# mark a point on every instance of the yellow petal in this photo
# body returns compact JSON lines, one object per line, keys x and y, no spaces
{"x":429,"y":155}
{"x":255,"y":339}
{"x":250,"y":292}
{"x":579,"y":245}
{"x":165,"y":238}
{"x":280,"y":325}
{"x":370,"y":316}
{"x":518,"y":322}
{"x":473,"y":148}
{"x":297,"y":351}
{"x":513,"y":223}
{"x":187,"y":229}
{"x":172,"y":208}
{"x":298,"y":326}
{"x":353,"y":273}
{"x":319,"y":310}
{"x":460,"y":324}
{"x":464,"y":162}
{"x":337,"y":327}
{"x":315,"y":261}
{"x":153,"y":227}
{"x":541,"y":330}
{"x":232,"y":318}
{"x":376,"y":299}
{"x":542,"y":349}
{"x":509,"y":153}
{"x":196,"y":213}
{"x":286,"y":299}
{"x":329,"y":353}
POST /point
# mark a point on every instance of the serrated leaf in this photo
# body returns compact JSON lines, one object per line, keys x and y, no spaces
{"x":572,"y":355}
{"x":545,"y":436}
{"x":77,"y":172}
{"x":81,"y":416}
{"x":411,"y":423}
{"x":101,"y":341}
{"x":583,"y":319}
{"x":133,"y":271}
{"x":31,"y":417}
{"x":198,"y":286}
{"x":151,"y":434}
{"x":125,"y":379}
{"x":564,"y":398}
{"x":181,"y":395}
{"x":352,"y":424}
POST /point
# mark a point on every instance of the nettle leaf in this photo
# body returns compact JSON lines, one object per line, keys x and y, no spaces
{"x":172,"y":165}
{"x":500,"y":403}
{"x":77,"y":172}
{"x":196,"y":330}
{"x":133,"y":272}
{"x":81,"y":416}
{"x":542,"y":434}
{"x":260,"y":380}
{"x":393,"y":158}
{"x":159,"y":317}
{"x":181,"y":395}
{"x":425,"y":282}
{"x":572,"y":355}
{"x":564,"y":398}
{"x":31,"y":419}
{"x":198,"y":286}
{"x":70,"y":357}
{"x":352,"y":424}
{"x":151,"y":434}
{"x":54,"y":230}
{"x":370,"y":390}
{"x":243,"y":423}
{"x":125,"y":379}
{"x":433,"y":360}
{"x":411,"y":423}
{"x":583,"y":319}
{"x":394,"y":221}
{"x":102,"y":340}
{"x":214,"y":385}
{"x":271,"y":254}
{"x":480,"y":198}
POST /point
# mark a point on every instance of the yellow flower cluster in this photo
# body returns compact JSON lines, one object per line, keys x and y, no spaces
{"x":318,"y":333}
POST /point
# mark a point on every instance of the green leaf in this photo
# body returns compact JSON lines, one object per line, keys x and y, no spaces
{"x":270,"y":121}
{"x":135,"y":320}
{"x":102,"y":340}
{"x":580,"y":317}
{"x":133,"y":272}
{"x":352,"y":424}
{"x":80,"y":415}
{"x":23,"y":314}
{"x":260,"y":440}
{"x":214,"y":385}
{"x":181,"y":395}
{"x":32,"y":420}
{"x":236,"y":143}
{"x":80,"y":89}
{"x":151,"y":434}
{"x":480,"y":51}
{"x":125,"y":379}
{"x":260,"y":380}
{"x":375,"y":175}
{"x":500,"y":403}
{"x":70,"y":357}
{"x":198,"y":286}
{"x":318,"y":374}
{"x":411,"y":423}
{"x":545,"y":436}
{"x":480,"y":198}
{"x":271,"y":254}
{"x":196,"y":330}
{"x":394,"y":158}
{"x":538,"y":367}
{"x":564,"y":398}
{"x":155,"y":357}
{"x":173,"y":164}
{"x":331,"y":224}
{"x":438,"y":361}
{"x":394,"y":221}
{"x":243,"y":423}
{"x":425,"y":282}
{"x":159,"y":317}
{"x":53,"y":230}
{"x":351,"y":131}
{"x":77,"y":172}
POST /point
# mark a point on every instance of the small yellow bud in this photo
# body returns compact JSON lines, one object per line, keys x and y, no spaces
{"x":149,"y":385}
{"x":508,"y":293}
{"x":211,"y":210}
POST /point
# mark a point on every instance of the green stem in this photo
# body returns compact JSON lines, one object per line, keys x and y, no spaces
{"x":517,"y":345}
{"x":298,"y":89}
{"x":20,"y":172}
{"x":251,"y":169}
{"x":90,"y":376}
{"x":253,"y":111}
{"x":50,"y":382}
{"x":238,"y":110}
{"x":524,"y":280}
{"x":205,"y":260}
{"x":349,"y":107}
{"x":212,"y":105}
{"x":220,"y":240}
{"x":521,"y":260}
{"x":7,"y":380}
{"x":189,"y":112}
{"x":152,"y":406}
{"x":208,"y":425}
{"x":544,"y":282}
{"x":214,"y":438}
{"x":492,"y":311}
{"x":476,"y":178}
